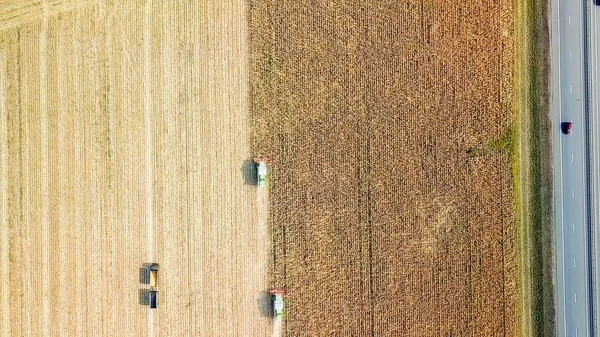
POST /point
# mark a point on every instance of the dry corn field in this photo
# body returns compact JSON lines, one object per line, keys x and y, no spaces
{"x":384,"y":224}
{"x":124,"y":127}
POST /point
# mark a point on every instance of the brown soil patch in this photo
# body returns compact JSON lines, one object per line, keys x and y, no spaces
{"x":383,"y":223}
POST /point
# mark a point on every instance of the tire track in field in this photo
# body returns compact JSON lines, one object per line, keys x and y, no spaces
{"x":65,"y":148}
{"x":45,"y":195}
{"x":277,"y":328}
{"x":148,"y":150}
{"x":262,"y":207}
{"x":4,"y":229}
{"x":10,"y":50}
{"x":148,"y":132}
{"x":30,"y":166}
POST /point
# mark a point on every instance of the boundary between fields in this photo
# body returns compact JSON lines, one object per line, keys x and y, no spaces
{"x":532,"y":170}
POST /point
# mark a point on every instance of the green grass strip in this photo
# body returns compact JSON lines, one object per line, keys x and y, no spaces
{"x":532,"y":170}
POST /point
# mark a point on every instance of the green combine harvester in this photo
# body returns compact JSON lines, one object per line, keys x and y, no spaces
{"x":278,"y":304}
{"x":261,"y":163}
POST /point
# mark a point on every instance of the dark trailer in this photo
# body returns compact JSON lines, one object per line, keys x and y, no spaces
{"x":153,"y":294}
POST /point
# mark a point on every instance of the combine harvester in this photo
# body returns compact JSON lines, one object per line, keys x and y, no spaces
{"x":261,"y":162}
{"x":278,"y":303}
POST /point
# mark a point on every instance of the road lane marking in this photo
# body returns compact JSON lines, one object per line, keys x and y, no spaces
{"x":573,"y":227}
{"x":576,"y":331}
{"x":575,"y":297}
{"x":569,"y":19}
{"x":562,"y":263}
{"x":570,"y":88}
{"x":572,"y":157}
{"x":572,"y":193}
{"x":574,"y":265}
{"x":570,"y":54}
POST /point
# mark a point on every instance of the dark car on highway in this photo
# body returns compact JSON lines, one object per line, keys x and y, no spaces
{"x":567,"y":127}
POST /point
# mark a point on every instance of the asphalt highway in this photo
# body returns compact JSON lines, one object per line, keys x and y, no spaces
{"x":594,"y":135}
{"x":569,"y":80}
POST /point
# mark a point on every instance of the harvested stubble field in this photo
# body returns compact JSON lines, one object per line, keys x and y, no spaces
{"x":391,"y":193}
{"x":124,"y":126}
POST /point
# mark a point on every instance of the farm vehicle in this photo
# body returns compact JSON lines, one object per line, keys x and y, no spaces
{"x":262,"y":173}
{"x":278,"y":302}
{"x":153,"y":281}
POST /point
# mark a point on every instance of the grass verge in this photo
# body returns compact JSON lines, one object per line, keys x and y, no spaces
{"x":532,"y":170}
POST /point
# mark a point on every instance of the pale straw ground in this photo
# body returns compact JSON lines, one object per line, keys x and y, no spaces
{"x":124,"y":127}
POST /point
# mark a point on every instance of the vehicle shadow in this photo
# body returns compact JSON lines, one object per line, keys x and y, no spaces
{"x":265,"y":304}
{"x":144,"y":296}
{"x":249,"y":172}
{"x":144,"y":275}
